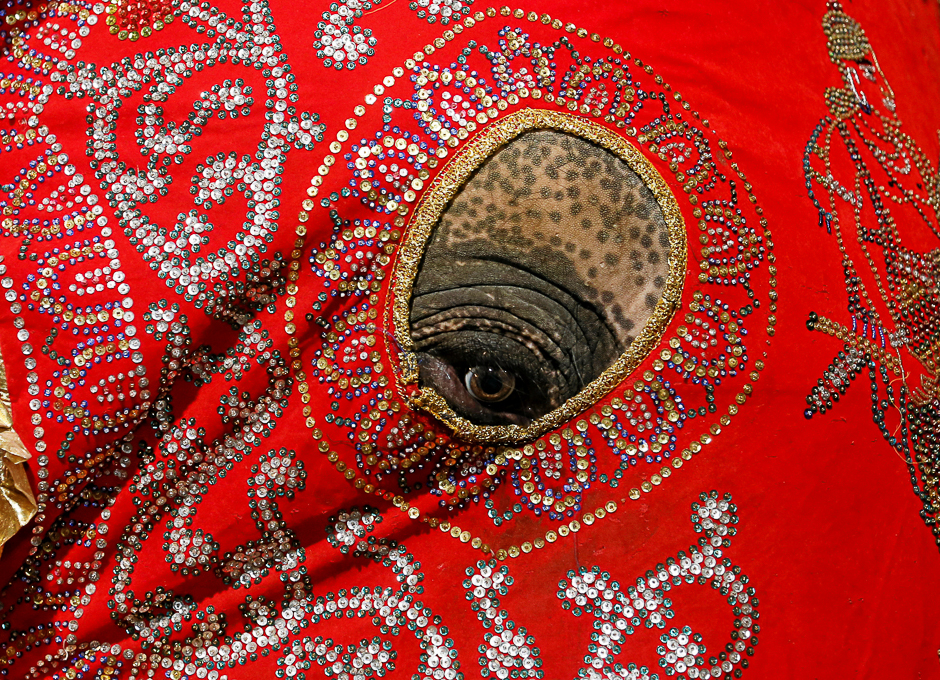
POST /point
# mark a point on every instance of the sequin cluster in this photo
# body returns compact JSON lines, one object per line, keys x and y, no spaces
{"x":392,"y":610}
{"x":619,"y":612}
{"x":78,"y":283}
{"x":870,"y":205}
{"x":232,"y":280}
{"x":135,"y":19}
{"x":176,"y":466}
{"x":42,"y":49}
{"x":279,"y":628}
{"x":75,"y":320}
{"x":369,"y":659}
{"x":507,"y":651}
{"x":278,"y":474}
{"x":342,"y":43}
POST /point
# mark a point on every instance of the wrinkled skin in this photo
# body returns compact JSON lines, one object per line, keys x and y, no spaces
{"x":540,"y":273}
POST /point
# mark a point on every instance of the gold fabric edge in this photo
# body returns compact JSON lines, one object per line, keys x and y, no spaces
{"x":17,"y":502}
{"x":446,"y":185}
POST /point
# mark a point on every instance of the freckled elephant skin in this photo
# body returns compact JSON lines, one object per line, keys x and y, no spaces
{"x":547,"y":263}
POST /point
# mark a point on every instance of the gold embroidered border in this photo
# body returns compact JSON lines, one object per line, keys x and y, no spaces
{"x":447,"y":184}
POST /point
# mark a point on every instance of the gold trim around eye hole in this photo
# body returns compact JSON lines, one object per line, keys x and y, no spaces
{"x":436,"y":199}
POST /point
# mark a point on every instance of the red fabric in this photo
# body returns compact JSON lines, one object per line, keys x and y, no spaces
{"x":828,"y":530}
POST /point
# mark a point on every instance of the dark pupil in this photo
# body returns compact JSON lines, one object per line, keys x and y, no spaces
{"x":490,"y":382}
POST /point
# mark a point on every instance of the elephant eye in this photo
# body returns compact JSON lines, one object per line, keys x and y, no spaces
{"x":542,"y":269}
{"x":489,"y":384}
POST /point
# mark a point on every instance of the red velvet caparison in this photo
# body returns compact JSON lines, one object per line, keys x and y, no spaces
{"x":212,"y":213}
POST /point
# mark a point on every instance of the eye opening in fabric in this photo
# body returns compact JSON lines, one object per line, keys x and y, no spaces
{"x":441,"y":195}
